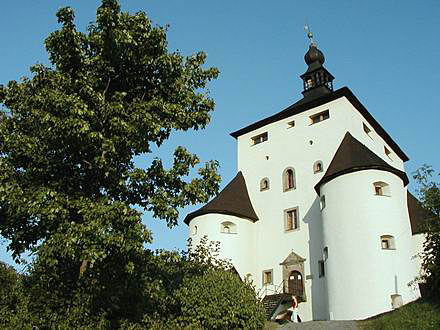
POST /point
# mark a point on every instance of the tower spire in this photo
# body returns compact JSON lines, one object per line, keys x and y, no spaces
{"x":317,"y":80}
{"x":310,"y":35}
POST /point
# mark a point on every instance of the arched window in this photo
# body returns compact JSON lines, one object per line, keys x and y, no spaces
{"x":228,"y":227}
{"x":387,"y":242}
{"x":264,"y":184}
{"x":381,"y":188}
{"x":318,"y":167}
{"x":289,"y":179}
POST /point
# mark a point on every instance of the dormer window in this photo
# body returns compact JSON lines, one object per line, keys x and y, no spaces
{"x":319,"y":117}
{"x":259,"y":138}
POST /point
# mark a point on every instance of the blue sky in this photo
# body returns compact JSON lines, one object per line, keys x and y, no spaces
{"x":386,"y":52}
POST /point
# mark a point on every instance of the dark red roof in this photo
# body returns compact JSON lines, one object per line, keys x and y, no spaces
{"x":417,"y":214}
{"x":310,"y":103}
{"x":353,"y":156}
{"x":232,"y":200}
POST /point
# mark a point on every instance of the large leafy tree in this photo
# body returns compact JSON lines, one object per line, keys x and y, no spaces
{"x":68,"y":136}
{"x":429,"y":194}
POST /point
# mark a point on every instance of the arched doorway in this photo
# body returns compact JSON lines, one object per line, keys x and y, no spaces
{"x":295,"y":284}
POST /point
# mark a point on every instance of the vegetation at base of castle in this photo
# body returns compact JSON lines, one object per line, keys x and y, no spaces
{"x":429,"y":195}
{"x":192,"y":290}
{"x":421,"y":314}
{"x":69,"y":185}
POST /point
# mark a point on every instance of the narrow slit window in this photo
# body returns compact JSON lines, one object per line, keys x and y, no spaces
{"x":259,"y":138}
{"x":321,"y":268}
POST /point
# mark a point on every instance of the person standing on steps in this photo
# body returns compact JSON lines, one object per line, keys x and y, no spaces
{"x":294,"y":307}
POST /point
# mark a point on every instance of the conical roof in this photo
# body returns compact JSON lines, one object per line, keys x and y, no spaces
{"x":232,"y":200}
{"x":353,"y":156}
{"x":418,"y":215}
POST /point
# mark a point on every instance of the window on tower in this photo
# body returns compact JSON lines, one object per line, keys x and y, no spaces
{"x":316,"y":118}
{"x":259,"y":138}
{"x":381,"y":188}
{"x":289,"y":179}
{"x":387,"y":242}
{"x":228,"y":227}
{"x":291,"y":219}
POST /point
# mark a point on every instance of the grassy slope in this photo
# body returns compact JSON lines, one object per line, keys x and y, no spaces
{"x":418,"y":315}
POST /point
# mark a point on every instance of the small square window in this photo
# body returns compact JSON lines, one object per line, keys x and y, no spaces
{"x":259,"y":138}
{"x":291,"y":219}
{"x":291,"y":124}
{"x":268,"y":277}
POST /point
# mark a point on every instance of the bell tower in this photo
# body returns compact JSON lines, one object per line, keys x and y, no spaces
{"x":317,"y":81}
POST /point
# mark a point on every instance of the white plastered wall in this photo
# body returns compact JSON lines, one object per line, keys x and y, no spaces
{"x":237,"y":247}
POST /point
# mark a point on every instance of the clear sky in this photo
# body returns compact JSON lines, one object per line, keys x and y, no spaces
{"x":386,"y":52}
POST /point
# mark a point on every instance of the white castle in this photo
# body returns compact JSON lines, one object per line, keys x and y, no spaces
{"x":319,"y":208}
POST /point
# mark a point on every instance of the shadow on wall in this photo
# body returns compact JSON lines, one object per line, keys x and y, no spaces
{"x":316,"y":254}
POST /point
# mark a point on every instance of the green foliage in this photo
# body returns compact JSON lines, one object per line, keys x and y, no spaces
{"x":219,"y":300}
{"x":429,"y":194}
{"x":416,"y":315}
{"x":68,"y":182}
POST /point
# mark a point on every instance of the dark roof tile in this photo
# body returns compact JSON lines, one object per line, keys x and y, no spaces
{"x":232,"y":200}
{"x":353,"y":156}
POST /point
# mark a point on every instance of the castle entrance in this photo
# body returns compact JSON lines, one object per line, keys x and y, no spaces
{"x":295,"y":285}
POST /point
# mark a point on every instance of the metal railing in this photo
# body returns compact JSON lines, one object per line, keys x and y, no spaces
{"x":268,"y":289}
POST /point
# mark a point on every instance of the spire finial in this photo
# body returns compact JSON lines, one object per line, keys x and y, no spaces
{"x":309,"y":35}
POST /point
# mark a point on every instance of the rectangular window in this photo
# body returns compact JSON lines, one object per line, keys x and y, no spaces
{"x":291,"y":124}
{"x":291,"y":219}
{"x":319,"y":117}
{"x":321,"y":268}
{"x":259,"y":138}
{"x":268,"y":277}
